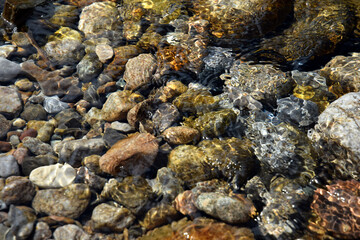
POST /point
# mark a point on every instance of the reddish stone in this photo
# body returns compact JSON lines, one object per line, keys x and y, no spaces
{"x":130,"y":156}
{"x":11,"y":133}
{"x":20,"y":153}
{"x":5,"y":146}
{"x":28,"y":133}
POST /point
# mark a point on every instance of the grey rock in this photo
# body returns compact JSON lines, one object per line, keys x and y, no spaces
{"x":70,"y":232}
{"x":33,"y":112}
{"x":22,"y":220}
{"x":53,"y":105}
{"x":73,"y":152}
{"x":122,"y":127}
{"x":29,"y":163}
{"x":336,"y":135}
{"x":10,"y":102}
{"x":19,"y":191}
{"x":166,"y":184}
{"x":70,"y":201}
{"x":165,"y":116}
{"x":37,"y":147}
{"x":104,"y":52}
{"x":89,"y":67}
{"x":8,"y":69}
{"x":8,"y":166}
{"x":107,"y":218}
{"x":226,"y":208}
{"x":111,"y":136}
{"x":5,"y":126}
{"x":296,"y":111}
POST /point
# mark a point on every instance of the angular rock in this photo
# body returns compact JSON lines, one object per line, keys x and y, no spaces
{"x":72,"y":152}
{"x":70,"y":201}
{"x":165,"y":116}
{"x":8,"y":166}
{"x":53,"y":105}
{"x":53,"y":176}
{"x":10,"y":102}
{"x":130,"y":156}
{"x":89,"y":67}
{"x":8,"y":70}
{"x":37,"y":147}
{"x":107,"y":218}
{"x":24,"y":85}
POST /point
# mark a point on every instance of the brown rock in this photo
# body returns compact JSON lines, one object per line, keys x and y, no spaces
{"x":181,"y":135}
{"x":132,"y":155}
{"x":28,"y":133}
{"x":19,"y":191}
{"x":5,"y":146}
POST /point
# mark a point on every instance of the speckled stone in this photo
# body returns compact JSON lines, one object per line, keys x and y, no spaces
{"x":72,"y":152}
{"x":181,"y":135}
{"x":33,"y":112}
{"x":24,"y":85}
{"x":10,"y":102}
{"x":37,"y":147}
{"x":165,"y":116}
{"x":70,"y":231}
{"x":159,"y":215}
{"x":18,"y":123}
{"x":18,"y":192}
{"x":89,"y":67}
{"x":104,"y":52}
{"x":42,"y":231}
{"x":8,"y":166}
{"x":70,"y":201}
{"x":8,"y":70}
{"x":139,"y":71}
{"x":118,"y":104}
{"x":5,"y":126}
{"x":130,"y":156}
{"x":53,"y":176}
{"x":107,"y":218}
{"x":336,"y":133}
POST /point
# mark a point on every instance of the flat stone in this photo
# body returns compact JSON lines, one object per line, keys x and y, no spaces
{"x":130,"y":156}
{"x":53,"y":176}
{"x":70,"y":201}
{"x":107,"y":218}
{"x":5,"y":126}
{"x":53,"y":105}
{"x":10,"y":102}
{"x":8,"y":166}
{"x":33,"y":112}
{"x":8,"y":70}
{"x":104,"y":52}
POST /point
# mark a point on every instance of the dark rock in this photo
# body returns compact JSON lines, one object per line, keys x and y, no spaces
{"x":30,"y":163}
{"x":22,"y":220}
{"x":28,"y":133}
{"x":33,"y":112}
{"x":20,"y":191}
{"x":37,"y":147}
{"x":8,"y":70}
{"x":5,"y":126}
{"x":165,"y":116}
{"x":112,"y":136}
{"x":42,"y":231}
{"x":5,"y":146}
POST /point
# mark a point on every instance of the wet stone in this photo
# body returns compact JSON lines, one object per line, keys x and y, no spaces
{"x":24,"y":85}
{"x":53,"y":176}
{"x":262,"y":82}
{"x":8,"y":166}
{"x":5,"y":126}
{"x":30,"y":132}
{"x":108,"y":218}
{"x":53,"y":105}
{"x":159,"y":215}
{"x":65,"y":15}
{"x":42,"y":231}
{"x":89,"y":67}
{"x":335,"y":133}
{"x":33,"y":112}
{"x":6,"y":50}
{"x":22,"y":220}
{"x":118,"y":104}
{"x":130,"y":156}
{"x":122,"y":127}
{"x":165,"y":116}
{"x":231,"y":209}
{"x":47,"y":130}
{"x":181,"y":135}
{"x":112,"y":136}
{"x":18,"y":192}
{"x":72,"y":152}
{"x":166,"y":184}
{"x":104,"y":52}
{"x":133,"y":192}
{"x":342,"y":74}
{"x":139,"y":71}
{"x":5,"y":146}
{"x":70,"y":231}
{"x":65,"y":47}
{"x":70,"y":201}
{"x":10,"y":102}
{"x":299,"y":112}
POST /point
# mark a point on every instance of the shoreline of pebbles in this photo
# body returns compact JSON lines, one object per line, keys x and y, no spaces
{"x":153,"y":120}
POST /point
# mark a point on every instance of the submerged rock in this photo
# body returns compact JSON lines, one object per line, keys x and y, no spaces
{"x":70,"y":201}
{"x":17,"y":191}
{"x":335,"y":134}
{"x":53,"y":176}
{"x":8,"y":70}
